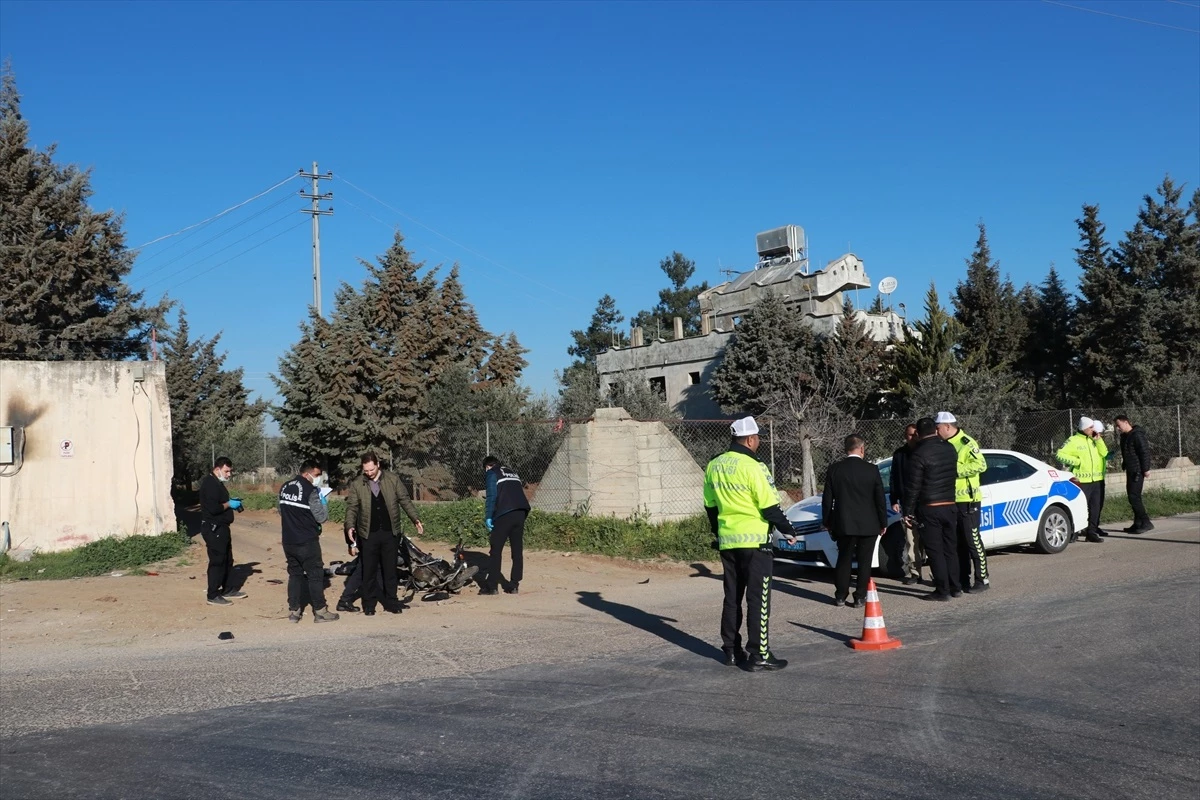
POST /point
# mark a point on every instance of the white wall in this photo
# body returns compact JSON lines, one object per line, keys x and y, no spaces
{"x":114,"y":478}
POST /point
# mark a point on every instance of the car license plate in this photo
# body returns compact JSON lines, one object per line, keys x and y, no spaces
{"x":797,"y":546}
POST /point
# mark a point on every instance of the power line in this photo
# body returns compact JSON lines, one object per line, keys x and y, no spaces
{"x":1119,"y":16}
{"x":1182,"y":3}
{"x":212,"y":239}
{"x":223,"y":249}
{"x":218,"y":216}
{"x":239,"y":255}
{"x":451,"y":241}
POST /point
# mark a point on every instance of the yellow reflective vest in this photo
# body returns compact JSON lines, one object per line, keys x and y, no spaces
{"x":970,"y":464}
{"x":1084,"y":457}
{"x":739,"y":487}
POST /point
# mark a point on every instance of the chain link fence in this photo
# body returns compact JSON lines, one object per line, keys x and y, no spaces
{"x":639,"y":469}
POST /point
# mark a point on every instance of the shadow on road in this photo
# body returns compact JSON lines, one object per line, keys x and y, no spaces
{"x":1143,"y":538}
{"x":841,"y":637}
{"x":651,"y":623}
{"x":804,"y":594}
{"x":241,"y":573}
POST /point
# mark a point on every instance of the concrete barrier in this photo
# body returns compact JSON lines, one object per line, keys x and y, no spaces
{"x":1180,"y":474}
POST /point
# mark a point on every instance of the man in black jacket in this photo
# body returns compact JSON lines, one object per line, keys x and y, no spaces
{"x":216,"y":515}
{"x":854,"y":512}
{"x":1135,"y":454}
{"x":914,"y":551}
{"x":504,"y":515}
{"x":302,"y":510}
{"x":929,"y":503}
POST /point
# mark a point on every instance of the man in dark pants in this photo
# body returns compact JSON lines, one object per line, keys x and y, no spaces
{"x":929,"y":504}
{"x":742,"y":506}
{"x":352,"y":590}
{"x":914,"y":551}
{"x":1135,"y":455}
{"x":504,"y":515}
{"x":853,"y":510}
{"x":301,"y":512}
{"x":373,"y":506}
{"x":1082,"y":456}
{"x":216,"y":515}
{"x":968,"y":495}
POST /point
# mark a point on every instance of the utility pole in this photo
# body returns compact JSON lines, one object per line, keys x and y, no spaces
{"x":316,"y":197}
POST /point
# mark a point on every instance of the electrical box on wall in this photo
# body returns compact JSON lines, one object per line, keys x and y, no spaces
{"x":6,"y":445}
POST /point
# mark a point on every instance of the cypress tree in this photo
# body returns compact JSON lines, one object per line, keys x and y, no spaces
{"x":993,"y":329}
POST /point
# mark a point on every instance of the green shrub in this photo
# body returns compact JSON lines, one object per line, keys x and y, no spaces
{"x":96,"y":558}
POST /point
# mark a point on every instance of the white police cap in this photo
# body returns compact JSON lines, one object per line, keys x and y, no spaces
{"x":945,"y":417}
{"x":746,"y":426}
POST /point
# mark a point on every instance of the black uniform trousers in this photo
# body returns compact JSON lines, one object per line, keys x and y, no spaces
{"x":853,"y":548}
{"x":509,"y":528}
{"x":970,"y":545}
{"x":219,"y":543}
{"x":1133,"y":489}
{"x":306,"y":571}
{"x":379,"y":549}
{"x":747,"y":575}
{"x":1094,"y":492}
{"x":939,"y":533}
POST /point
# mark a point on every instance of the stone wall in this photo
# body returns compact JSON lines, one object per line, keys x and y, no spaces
{"x":1180,"y":474}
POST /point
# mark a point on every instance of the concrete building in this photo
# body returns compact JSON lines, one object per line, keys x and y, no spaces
{"x":90,"y":452}
{"x":680,"y":368}
{"x":615,"y":466}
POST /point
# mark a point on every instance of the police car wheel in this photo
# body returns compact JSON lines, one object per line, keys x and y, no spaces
{"x":1054,"y":530}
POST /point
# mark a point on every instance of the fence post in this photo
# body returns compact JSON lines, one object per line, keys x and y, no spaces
{"x":1179,"y":428}
{"x":771,"y":430}
{"x":487,"y":438}
{"x":1070,"y":421}
{"x":213,"y":464}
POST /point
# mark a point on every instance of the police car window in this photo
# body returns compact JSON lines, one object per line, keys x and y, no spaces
{"x":1002,"y":469}
{"x":885,"y":472}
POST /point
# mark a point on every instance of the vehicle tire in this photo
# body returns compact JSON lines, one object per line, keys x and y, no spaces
{"x":1054,"y":530}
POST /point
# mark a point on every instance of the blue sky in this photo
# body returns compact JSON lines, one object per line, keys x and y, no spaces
{"x":560,"y":150}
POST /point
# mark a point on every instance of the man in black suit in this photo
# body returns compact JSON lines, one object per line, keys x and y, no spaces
{"x":853,"y":511}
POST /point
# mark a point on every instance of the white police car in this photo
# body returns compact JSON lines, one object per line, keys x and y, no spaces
{"x":1025,"y":501}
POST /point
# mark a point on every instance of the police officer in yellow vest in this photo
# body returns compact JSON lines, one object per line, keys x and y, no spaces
{"x":968,"y":499}
{"x":742,"y":505}
{"x":1085,"y":459}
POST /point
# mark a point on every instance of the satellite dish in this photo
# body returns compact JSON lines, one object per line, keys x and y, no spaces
{"x":887,"y":285}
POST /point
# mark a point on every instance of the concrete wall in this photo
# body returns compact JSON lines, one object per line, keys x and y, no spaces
{"x":673,"y":361}
{"x":1180,"y":474}
{"x":97,"y":452}
{"x":617,"y":466}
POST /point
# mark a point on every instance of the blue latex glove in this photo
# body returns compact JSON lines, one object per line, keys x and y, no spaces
{"x":325,"y":499}
{"x":235,"y":504}
{"x":488,"y":522}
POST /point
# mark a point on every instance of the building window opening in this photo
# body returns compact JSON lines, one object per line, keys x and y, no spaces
{"x":694,"y":378}
{"x":659,"y":387}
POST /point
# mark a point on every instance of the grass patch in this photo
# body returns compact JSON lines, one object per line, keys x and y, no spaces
{"x":1159,"y":503}
{"x":96,"y":558}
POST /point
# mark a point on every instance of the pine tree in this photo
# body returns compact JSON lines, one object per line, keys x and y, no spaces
{"x":63,"y":295}
{"x":993,"y":329}
{"x":207,"y":400}
{"x":597,"y":337}
{"x":680,"y":300}
{"x":1049,"y":361}
{"x":854,"y":362}
{"x":931,"y":350}
{"x":1106,"y":316}
{"x":770,"y":351}
{"x":505,"y":361}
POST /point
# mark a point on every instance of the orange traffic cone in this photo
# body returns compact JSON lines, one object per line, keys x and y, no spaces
{"x":874,"y":635}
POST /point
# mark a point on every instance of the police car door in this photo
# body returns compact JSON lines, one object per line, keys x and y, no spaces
{"x":1012,"y":501}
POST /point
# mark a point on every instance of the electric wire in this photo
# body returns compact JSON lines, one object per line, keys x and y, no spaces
{"x":452,"y":241}
{"x":239,"y":255}
{"x":1120,"y":16}
{"x":221,"y":214}
{"x":195,"y":264}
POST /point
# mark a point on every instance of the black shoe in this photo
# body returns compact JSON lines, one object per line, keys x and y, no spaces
{"x":956,"y":593}
{"x":981,"y":586}
{"x":769,"y":663}
{"x":368,"y":612}
{"x":1094,"y":539}
{"x":966,"y":587}
{"x":1132,"y":529}
{"x":735,"y":656}
{"x":858,"y":603}
{"x":909,"y":580}
{"x":1149,"y":526}
{"x":486,"y":590}
{"x":512,"y":588}
{"x":1103,"y":532}
{"x":936,"y":597}
{"x":393,"y":609}
{"x":839,"y":601}
{"x":347,"y":606}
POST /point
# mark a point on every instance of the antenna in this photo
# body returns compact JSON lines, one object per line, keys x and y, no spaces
{"x":886,"y":287}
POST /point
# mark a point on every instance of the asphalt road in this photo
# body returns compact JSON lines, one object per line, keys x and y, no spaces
{"x":1084,"y":683}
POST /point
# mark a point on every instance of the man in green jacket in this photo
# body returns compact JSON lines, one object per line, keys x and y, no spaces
{"x":373,"y":507}
{"x":1085,"y":460}
{"x":968,"y":498}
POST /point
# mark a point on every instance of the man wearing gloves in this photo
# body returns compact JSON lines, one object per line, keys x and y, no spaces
{"x":968,"y":500}
{"x":504,"y":516}
{"x":301,"y":511}
{"x":742,"y":506}
{"x":216,"y":515}
{"x":1083,"y":458}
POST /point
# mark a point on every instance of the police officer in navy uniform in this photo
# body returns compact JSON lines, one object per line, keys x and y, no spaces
{"x":302,"y":510}
{"x":504,"y":516}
